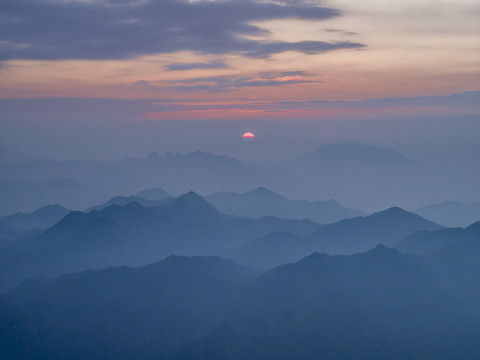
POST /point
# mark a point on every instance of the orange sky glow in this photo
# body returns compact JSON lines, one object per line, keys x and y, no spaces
{"x":412,"y":48}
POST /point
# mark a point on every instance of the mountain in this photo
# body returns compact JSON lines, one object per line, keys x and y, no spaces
{"x":344,"y":237}
{"x":376,"y":305}
{"x":130,"y":235}
{"x":253,"y":228}
{"x":8,"y":156}
{"x":154,"y":194}
{"x":262,"y":202}
{"x":357,"y":175}
{"x":133,"y":235}
{"x":269,"y":251}
{"x":451,"y":213}
{"x":199,"y":171}
{"x":354,"y":151}
{"x":353,"y":155}
{"x":367,"y":176}
{"x":20,"y":224}
{"x":423,"y":242}
{"x":457,"y":267}
{"x":124,"y":200}
{"x":182,"y":172}
{"x":363,"y":233}
{"x":21,"y":196}
{"x":127,"y":313}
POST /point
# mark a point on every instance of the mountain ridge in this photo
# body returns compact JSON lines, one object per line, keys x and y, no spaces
{"x":261,"y":202}
{"x":379,"y":303}
{"x":134,"y":235}
{"x":346,"y":236}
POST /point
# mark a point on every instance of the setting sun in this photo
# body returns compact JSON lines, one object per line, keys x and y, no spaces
{"x":248,"y":135}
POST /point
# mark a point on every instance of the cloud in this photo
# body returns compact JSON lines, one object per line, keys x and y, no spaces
{"x":265,"y":49}
{"x":191,"y":66}
{"x":141,"y":82}
{"x":469,"y":99}
{"x":80,"y":110}
{"x":342,"y":32}
{"x":227,"y":83}
{"x":120,"y":29}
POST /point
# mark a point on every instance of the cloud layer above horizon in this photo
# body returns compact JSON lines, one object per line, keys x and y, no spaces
{"x":113,"y":29}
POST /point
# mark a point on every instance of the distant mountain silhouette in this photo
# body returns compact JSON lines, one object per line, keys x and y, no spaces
{"x":367,"y":176}
{"x":8,"y":156}
{"x":127,"y":313}
{"x":153,"y":194}
{"x":196,"y":158}
{"x":258,"y":227}
{"x":20,"y":224}
{"x":363,"y":233}
{"x":375,"y":305}
{"x":262,"y":202}
{"x":344,"y":237}
{"x":355,"y":174}
{"x":199,"y":171}
{"x":124,"y":200}
{"x":133,"y":235}
{"x":21,"y":196}
{"x":353,"y":155}
{"x":424,"y":242}
{"x":451,"y":213}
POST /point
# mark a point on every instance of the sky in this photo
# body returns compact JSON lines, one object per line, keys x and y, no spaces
{"x":86,"y":66}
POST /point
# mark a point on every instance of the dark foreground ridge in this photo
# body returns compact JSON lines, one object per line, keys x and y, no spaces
{"x":375,"y":305}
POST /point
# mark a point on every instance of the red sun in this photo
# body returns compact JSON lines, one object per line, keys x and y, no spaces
{"x":248,"y":135}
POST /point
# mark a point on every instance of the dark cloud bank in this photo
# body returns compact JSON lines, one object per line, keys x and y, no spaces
{"x":112,"y":29}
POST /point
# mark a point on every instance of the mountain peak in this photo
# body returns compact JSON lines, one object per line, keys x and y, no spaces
{"x":133,"y":205}
{"x":381,"y":255}
{"x":263,"y":191}
{"x":397,"y":213}
{"x":381,"y":249}
{"x":394,"y":211}
{"x":154,"y":156}
{"x":50,"y":207}
{"x":192,"y":198}
{"x":153,"y":194}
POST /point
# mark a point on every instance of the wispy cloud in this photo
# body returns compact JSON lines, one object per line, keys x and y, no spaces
{"x":341,"y":32}
{"x":469,"y":99}
{"x":227,"y":83}
{"x":466,"y":102}
{"x":190,"y":66}
{"x":195,"y":108}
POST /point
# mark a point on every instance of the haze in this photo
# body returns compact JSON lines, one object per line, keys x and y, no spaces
{"x":136,"y":221}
